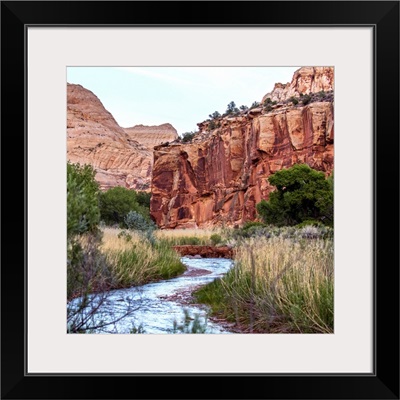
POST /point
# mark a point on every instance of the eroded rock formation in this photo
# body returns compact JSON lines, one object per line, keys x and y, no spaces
{"x":120,"y":157}
{"x":220,"y":177}
{"x":305,"y":80}
{"x":151,"y":136}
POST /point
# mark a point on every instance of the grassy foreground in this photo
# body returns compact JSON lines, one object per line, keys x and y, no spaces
{"x":278,"y":285}
{"x":196,"y":237}
{"x":137,"y":258}
{"x":124,"y":259}
{"x":282,"y":280}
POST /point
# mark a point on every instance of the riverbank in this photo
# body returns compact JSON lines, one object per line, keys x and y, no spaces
{"x":116,"y":259}
{"x":281,"y":281}
{"x":159,"y":307}
{"x":277,"y":285}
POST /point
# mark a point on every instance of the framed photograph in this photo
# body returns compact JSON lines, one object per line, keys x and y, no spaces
{"x":53,"y":56}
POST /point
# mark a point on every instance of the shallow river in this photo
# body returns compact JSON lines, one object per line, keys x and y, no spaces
{"x":160,"y":307}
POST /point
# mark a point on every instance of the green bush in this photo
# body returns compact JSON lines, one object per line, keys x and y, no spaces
{"x":83,"y":214}
{"x":215,"y":238}
{"x":267,"y":101}
{"x":135,"y":221}
{"x":215,"y":115}
{"x":213,"y":125}
{"x":250,"y":224}
{"x":306,"y":99}
{"x":254,"y":104}
{"x":83,"y":217}
{"x":231,"y":109}
{"x":143,"y":199}
{"x":309,"y":222}
{"x":301,"y":194}
{"x":294,"y":100}
{"x":86,"y":267}
{"x":190,"y":240}
{"x":116,"y":203}
{"x":188,"y":137}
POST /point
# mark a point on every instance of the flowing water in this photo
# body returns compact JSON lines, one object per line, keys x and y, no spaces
{"x":161,"y":307}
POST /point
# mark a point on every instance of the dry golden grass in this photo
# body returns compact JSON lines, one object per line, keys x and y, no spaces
{"x":111,"y":241}
{"x":135,"y":259}
{"x":186,"y":236}
{"x":291,"y":277}
{"x":277,"y":285}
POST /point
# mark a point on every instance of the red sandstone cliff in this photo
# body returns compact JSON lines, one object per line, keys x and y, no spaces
{"x":305,"y":80}
{"x":120,"y":157}
{"x":221,"y":176}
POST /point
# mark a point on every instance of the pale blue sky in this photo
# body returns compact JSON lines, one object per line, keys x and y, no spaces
{"x":182,"y":96}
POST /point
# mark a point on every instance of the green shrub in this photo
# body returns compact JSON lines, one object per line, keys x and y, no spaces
{"x":215,"y":115}
{"x":306,"y":99}
{"x":301,"y":194}
{"x":83,"y":213}
{"x":83,"y":217}
{"x":190,"y":240}
{"x":135,"y":221}
{"x":231,"y":109}
{"x":309,"y":222}
{"x":143,"y":199}
{"x":213,"y":125}
{"x":117,"y":202}
{"x":294,"y":100}
{"x":250,"y":224}
{"x":267,"y":101}
{"x":255,"y":104}
{"x":215,"y":238}
{"x":188,"y":136}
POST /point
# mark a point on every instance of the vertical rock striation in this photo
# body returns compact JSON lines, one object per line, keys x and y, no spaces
{"x":220,"y":177}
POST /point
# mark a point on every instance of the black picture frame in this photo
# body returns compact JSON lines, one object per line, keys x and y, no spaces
{"x":383,"y":383}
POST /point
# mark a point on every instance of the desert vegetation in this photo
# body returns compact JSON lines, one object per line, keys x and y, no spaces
{"x":196,"y":237}
{"x":302,"y":195}
{"x":283,"y":277}
{"x":101,"y":257}
{"x":282,"y":280}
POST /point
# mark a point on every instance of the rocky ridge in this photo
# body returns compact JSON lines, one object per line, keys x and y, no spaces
{"x":218,"y":178}
{"x":120,"y":157}
{"x":305,"y":80}
{"x":151,"y":136}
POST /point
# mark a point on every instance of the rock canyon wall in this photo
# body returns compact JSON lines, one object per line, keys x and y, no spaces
{"x":220,"y":177}
{"x":120,"y":157}
{"x":151,"y":136}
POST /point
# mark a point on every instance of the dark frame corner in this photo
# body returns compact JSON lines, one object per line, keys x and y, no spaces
{"x":384,"y":16}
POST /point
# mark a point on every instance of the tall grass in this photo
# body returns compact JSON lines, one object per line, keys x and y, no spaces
{"x":135,"y":259}
{"x":175,"y":237}
{"x":277,"y":285}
